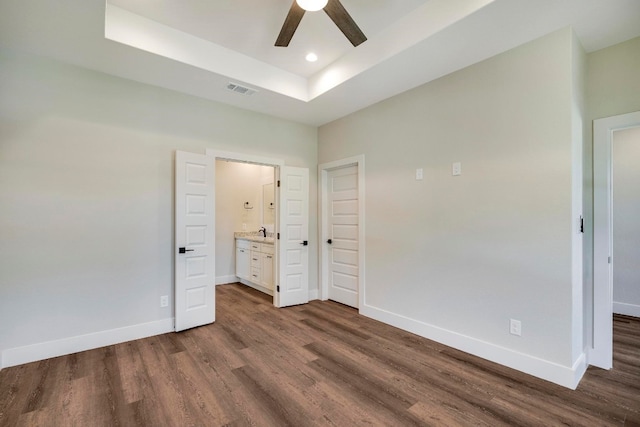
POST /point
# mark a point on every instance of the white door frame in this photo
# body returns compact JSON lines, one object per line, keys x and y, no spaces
{"x":264,"y":161}
{"x":601,"y":352}
{"x":323,"y":170}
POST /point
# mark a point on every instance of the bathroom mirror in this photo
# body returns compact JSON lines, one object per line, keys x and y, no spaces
{"x":268,"y":206}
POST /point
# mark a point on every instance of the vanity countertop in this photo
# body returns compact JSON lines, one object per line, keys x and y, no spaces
{"x":253,"y":237}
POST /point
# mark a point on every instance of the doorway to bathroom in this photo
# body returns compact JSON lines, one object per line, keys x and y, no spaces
{"x":245,"y":224}
{"x":196,"y":238}
{"x":289,"y":210}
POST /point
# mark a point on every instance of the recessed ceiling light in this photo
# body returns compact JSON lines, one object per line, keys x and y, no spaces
{"x":311,"y":57}
{"x":312,"y":5}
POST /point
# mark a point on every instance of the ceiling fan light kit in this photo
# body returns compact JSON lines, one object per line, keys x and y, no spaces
{"x":333,"y":8}
{"x":312,"y":5}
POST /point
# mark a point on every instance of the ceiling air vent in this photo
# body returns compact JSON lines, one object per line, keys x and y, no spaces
{"x":243,"y":90}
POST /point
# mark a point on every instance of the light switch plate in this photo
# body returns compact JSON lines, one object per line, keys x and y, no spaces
{"x":419,"y":174}
{"x":456,"y":169}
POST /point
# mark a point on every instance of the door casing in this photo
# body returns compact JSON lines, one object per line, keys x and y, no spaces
{"x":601,"y":349}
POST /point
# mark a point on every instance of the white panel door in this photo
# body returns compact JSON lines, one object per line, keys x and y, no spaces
{"x":195,"y":240}
{"x":294,"y":235}
{"x":342,"y":244}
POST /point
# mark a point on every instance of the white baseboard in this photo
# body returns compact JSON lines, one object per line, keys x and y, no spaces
{"x":626,"y":309}
{"x":565,"y":376}
{"x":256,"y":287}
{"x":223,"y":280}
{"x":313,"y":294}
{"x":64,"y":346}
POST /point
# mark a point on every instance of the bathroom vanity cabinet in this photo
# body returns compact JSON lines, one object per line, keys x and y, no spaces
{"x":254,"y":263}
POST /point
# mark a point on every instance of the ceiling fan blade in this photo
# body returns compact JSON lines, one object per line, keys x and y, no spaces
{"x":345,"y":23}
{"x":290,"y":25}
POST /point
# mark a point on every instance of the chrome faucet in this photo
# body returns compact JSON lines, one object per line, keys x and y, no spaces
{"x":263,"y":231}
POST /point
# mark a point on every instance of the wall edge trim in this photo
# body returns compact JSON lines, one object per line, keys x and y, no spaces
{"x":225,"y":280}
{"x":61,"y":347}
{"x":550,"y":371}
{"x":626,"y":309}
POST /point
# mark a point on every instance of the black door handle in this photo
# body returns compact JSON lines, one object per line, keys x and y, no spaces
{"x":183,"y":250}
{"x":329,"y":241}
{"x":304,"y":243}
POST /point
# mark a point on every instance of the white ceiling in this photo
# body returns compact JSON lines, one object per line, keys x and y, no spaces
{"x":198,"y":46}
{"x":250,"y":27}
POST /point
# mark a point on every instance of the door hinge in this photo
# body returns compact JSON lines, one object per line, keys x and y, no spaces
{"x":278,"y":183}
{"x":278,"y":236}
{"x":609,"y":260}
{"x":278,"y":288}
{"x":581,"y":224}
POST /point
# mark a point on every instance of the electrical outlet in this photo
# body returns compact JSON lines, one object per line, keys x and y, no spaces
{"x":419,"y":174}
{"x":164,"y":301}
{"x":515,"y":327}
{"x":456,"y":169}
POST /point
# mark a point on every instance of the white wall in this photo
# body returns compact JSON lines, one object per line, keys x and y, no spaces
{"x":626,"y":222}
{"x":86,"y":196}
{"x":613,"y":86}
{"x":455,"y":258}
{"x":578,"y":133}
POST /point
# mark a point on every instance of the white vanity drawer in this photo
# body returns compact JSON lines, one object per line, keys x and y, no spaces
{"x":267,"y":248}
{"x":255,"y":274}
{"x":255,"y":246}
{"x":243,"y":244}
{"x":255,"y":259}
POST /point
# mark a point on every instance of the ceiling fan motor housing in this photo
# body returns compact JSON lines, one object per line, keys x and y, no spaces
{"x":312,"y":5}
{"x":333,"y":8}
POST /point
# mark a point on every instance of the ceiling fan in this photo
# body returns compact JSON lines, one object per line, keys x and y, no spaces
{"x":333,"y":8}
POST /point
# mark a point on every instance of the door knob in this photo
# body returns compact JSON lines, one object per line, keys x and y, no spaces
{"x":184,"y":250}
{"x":329,"y":241}
{"x":304,"y":243}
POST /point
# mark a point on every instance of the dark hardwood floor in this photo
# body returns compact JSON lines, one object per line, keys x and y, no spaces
{"x":315,"y":364}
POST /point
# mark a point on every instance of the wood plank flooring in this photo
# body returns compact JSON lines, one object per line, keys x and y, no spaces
{"x":315,"y":364}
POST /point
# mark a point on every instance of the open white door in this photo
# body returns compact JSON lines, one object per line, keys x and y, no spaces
{"x":293,"y":283}
{"x":195,"y":240}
